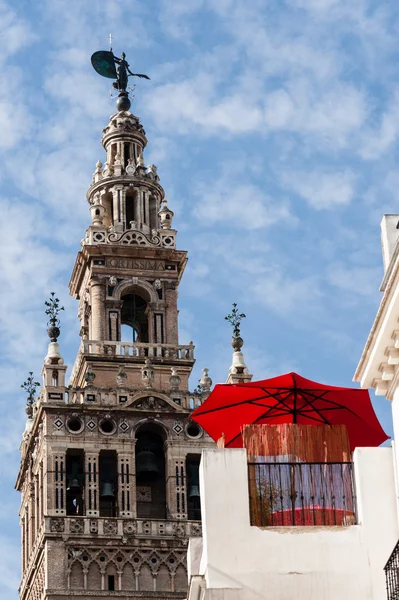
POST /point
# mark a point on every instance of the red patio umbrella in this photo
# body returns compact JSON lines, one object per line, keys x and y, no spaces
{"x":288,"y":398}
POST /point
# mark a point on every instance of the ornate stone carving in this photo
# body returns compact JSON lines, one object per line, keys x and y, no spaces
{"x":93,"y":526}
{"x":174,"y":380}
{"x":76,"y":526}
{"x":129,"y":527}
{"x":151,"y":403}
{"x":179,"y":530}
{"x":133,"y":238}
{"x":121,"y":378}
{"x":110,"y":526}
{"x":147,"y":374}
{"x":196,"y":530}
{"x":57,"y":525}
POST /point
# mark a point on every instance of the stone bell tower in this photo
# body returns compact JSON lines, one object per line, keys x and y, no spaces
{"x":109,"y":469}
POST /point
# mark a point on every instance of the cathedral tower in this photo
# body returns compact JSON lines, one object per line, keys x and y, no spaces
{"x":109,"y":469}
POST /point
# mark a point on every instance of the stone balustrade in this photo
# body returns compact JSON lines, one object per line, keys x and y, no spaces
{"x":139,"y":350}
{"x":124,"y":528}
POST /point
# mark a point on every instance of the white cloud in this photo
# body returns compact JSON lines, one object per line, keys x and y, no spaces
{"x":286,"y":295}
{"x":375,"y":142}
{"x":322,"y":190}
{"x":356,"y":280}
{"x":243,"y":205}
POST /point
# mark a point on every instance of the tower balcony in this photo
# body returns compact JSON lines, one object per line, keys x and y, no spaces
{"x":138,"y":350}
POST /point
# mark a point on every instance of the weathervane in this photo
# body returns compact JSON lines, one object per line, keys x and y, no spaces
{"x":108,"y":65}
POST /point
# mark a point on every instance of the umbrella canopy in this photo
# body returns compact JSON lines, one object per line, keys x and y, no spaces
{"x":288,"y":398}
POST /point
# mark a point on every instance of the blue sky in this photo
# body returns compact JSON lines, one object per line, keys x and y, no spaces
{"x":274,"y":126}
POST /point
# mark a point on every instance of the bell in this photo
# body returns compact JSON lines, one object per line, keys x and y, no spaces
{"x":74,"y":485}
{"x":107,"y":491}
{"x":194,"y":492}
{"x":147,"y":463}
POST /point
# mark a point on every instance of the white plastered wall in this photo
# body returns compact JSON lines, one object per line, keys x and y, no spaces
{"x":244,"y":562}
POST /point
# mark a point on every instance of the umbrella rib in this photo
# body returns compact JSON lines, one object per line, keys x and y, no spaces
{"x":335,"y":405}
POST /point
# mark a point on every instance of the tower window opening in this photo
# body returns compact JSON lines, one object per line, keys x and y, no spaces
{"x":150,"y":475}
{"x":130,"y":209}
{"x":54,"y":378}
{"x":126,"y":154}
{"x":108,"y":483}
{"x":75,"y":482}
{"x":111,"y":583}
{"x":134,"y":319}
{"x":114,"y":149}
{"x":107,"y":203}
{"x":193,"y":490}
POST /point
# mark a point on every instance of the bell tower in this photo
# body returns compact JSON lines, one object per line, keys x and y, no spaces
{"x":109,"y":469}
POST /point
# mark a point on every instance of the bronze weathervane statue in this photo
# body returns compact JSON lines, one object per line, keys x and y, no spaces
{"x":104,"y":62}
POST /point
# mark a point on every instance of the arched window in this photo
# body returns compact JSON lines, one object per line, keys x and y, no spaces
{"x":134,"y":320}
{"x":150,"y":473}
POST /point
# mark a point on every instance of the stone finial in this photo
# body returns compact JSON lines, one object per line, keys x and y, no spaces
{"x":30,"y":386}
{"x":205,"y":381}
{"x":52,"y":311}
{"x":89,"y":375}
{"x":97,"y":214}
{"x":121,"y":377}
{"x":152,"y":172}
{"x":174,"y":380}
{"x":147,"y":374}
{"x":165,"y":215}
{"x":235,"y":318}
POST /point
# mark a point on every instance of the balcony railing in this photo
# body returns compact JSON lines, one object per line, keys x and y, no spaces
{"x":392,"y":574}
{"x":301,"y":494}
{"x":138,"y":350}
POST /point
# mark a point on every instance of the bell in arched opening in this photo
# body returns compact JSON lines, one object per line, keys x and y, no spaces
{"x":193,"y":492}
{"x":147,"y":464}
{"x":74,"y":486}
{"x":107,"y":491}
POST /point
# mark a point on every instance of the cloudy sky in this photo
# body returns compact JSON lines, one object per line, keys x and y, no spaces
{"x":274,"y":125}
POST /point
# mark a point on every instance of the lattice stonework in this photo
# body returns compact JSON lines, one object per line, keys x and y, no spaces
{"x":125,"y":479}
{"x":91,"y":488}
{"x":180,"y":475}
{"x":59,"y":484}
{"x":37,"y":585}
{"x":150,"y":570}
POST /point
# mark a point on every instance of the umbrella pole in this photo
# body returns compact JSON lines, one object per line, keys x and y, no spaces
{"x":293,"y":492}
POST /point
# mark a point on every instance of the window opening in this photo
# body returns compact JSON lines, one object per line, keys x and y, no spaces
{"x":193,"y":491}
{"x":111,"y":583}
{"x":150,"y":476}
{"x":75,"y":482}
{"x":108,"y":483}
{"x":133,"y":315}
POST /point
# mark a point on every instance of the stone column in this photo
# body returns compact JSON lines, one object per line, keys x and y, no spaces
{"x":125,"y":480}
{"x":97,"y":310}
{"x":171,"y":325}
{"x":92,"y":482}
{"x":176,"y":495}
{"x":117,"y":209}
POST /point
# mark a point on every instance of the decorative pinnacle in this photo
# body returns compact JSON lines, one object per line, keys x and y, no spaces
{"x":52,"y":311}
{"x":235,"y":318}
{"x":30,"y":387}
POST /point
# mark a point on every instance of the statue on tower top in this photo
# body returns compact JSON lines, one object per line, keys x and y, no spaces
{"x":104,"y":62}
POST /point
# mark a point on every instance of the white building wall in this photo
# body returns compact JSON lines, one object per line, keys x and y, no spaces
{"x":240,"y":561}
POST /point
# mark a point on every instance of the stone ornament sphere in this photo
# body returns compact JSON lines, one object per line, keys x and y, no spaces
{"x":53,"y":332}
{"x":123,"y":102}
{"x":237,"y":342}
